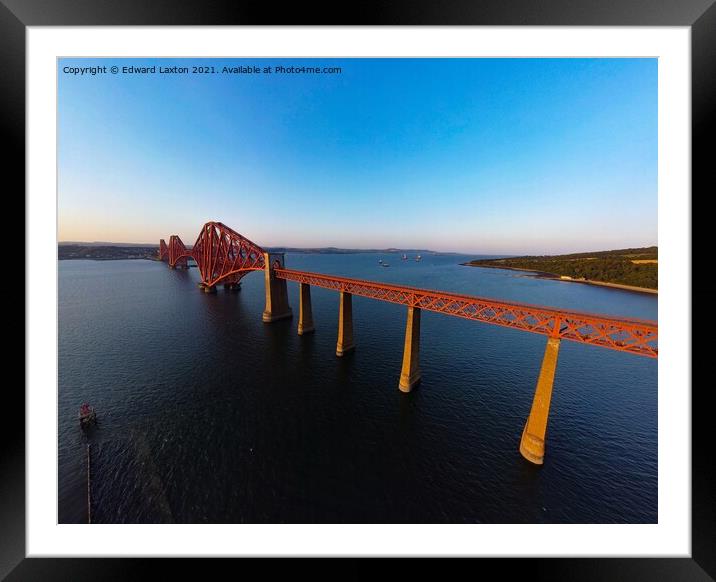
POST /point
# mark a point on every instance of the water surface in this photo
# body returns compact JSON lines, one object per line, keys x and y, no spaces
{"x":206,"y":414}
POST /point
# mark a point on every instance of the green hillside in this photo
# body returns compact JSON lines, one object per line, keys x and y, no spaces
{"x":638,"y":267}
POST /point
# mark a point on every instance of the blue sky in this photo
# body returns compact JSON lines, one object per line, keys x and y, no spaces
{"x":475,"y":155}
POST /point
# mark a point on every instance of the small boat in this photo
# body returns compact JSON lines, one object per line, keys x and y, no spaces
{"x":404,"y":257}
{"x":418,"y":258}
{"x":87,"y":416}
{"x":380,"y":261}
{"x":385,"y":265}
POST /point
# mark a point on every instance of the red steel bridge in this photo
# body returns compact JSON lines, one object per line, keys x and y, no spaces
{"x":223,"y":256}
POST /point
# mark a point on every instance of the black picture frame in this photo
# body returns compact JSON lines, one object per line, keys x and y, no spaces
{"x":700,"y":15}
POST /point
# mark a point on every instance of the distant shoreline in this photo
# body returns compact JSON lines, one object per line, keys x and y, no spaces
{"x":105,"y":259}
{"x":305,"y":250}
{"x":553,"y":277}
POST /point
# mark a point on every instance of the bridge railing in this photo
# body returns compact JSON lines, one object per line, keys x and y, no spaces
{"x":635,"y":336}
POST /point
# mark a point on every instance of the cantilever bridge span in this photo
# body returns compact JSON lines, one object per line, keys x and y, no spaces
{"x":224,"y":256}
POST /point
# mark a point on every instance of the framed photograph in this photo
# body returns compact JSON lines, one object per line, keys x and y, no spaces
{"x":386,"y":288}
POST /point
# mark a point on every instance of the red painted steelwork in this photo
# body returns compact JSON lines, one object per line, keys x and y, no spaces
{"x":638,"y":337}
{"x":225,"y":256}
{"x":163,"y":251}
{"x":178,"y":253}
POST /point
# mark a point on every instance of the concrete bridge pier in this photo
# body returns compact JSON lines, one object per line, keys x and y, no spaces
{"x":305,"y":313}
{"x":345,"y":325}
{"x":276,"y":291}
{"x":533,"y":435}
{"x":410,"y":373}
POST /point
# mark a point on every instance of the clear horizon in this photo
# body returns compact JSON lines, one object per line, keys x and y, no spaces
{"x":188,"y":244}
{"x":474,"y":156}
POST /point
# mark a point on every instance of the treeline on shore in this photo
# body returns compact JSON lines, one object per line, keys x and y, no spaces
{"x":637,"y":267}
